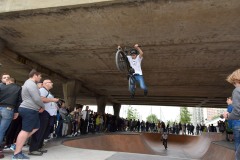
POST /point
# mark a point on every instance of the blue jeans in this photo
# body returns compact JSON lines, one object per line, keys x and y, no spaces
{"x":236,"y":132}
{"x":137,"y":78}
{"x":6,"y":117}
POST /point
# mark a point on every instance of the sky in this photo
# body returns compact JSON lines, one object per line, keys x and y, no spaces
{"x":163,"y":113}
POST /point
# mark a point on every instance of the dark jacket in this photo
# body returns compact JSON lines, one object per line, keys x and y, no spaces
{"x":10,"y":96}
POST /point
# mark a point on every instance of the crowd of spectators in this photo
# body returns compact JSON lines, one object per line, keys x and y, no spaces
{"x":57,"y":120}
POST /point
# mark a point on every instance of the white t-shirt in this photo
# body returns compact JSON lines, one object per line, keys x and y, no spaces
{"x":164,"y":136}
{"x":50,"y":107}
{"x":136,"y":64}
{"x":84,"y":114}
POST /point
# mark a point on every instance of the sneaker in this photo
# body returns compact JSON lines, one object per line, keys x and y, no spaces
{"x":35,"y":153}
{"x":19,"y":156}
{"x":75,"y":134}
{"x":6,"y":147}
{"x":43,"y":150}
{"x":13,"y":147}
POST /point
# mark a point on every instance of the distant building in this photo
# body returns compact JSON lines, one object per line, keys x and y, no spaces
{"x":213,"y":112}
{"x":197,"y":115}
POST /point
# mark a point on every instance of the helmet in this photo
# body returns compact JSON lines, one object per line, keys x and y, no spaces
{"x":133,"y":51}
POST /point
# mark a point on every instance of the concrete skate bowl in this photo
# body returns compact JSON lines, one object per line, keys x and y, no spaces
{"x":181,"y":146}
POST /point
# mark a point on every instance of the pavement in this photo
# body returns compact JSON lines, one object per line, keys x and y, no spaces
{"x":135,"y":146}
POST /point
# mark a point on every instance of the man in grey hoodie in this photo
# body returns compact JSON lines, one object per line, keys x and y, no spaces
{"x":29,"y":111}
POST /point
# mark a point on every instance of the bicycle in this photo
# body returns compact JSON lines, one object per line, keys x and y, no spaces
{"x":123,"y":65}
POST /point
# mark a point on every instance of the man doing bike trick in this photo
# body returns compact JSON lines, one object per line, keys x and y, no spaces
{"x":135,"y":59}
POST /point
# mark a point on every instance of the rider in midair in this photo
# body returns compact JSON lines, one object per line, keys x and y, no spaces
{"x":135,"y":58}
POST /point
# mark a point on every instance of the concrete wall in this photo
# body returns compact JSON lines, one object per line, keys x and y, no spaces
{"x":19,"y":5}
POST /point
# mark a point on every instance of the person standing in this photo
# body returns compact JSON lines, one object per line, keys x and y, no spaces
{"x":229,"y":123}
{"x":86,"y":117}
{"x":50,"y":109}
{"x":10,"y":99}
{"x":234,"y":79}
{"x":29,"y":109}
{"x":165,"y":139}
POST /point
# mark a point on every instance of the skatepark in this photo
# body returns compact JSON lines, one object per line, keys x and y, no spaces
{"x":141,"y":146}
{"x":188,"y":47}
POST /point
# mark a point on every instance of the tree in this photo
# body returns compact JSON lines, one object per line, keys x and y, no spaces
{"x":132,"y":113}
{"x":152,"y":118}
{"x":215,"y":117}
{"x":185,"y":116}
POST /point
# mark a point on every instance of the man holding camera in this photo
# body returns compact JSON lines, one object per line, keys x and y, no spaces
{"x":47,"y":119}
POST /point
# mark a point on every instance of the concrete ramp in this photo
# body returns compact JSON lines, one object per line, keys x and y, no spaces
{"x":179,"y":146}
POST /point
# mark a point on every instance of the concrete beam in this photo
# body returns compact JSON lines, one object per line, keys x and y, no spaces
{"x":20,"y":5}
{"x":16,"y":58}
{"x":23,"y":60}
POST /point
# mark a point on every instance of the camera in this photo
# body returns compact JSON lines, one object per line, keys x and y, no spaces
{"x":60,"y":102}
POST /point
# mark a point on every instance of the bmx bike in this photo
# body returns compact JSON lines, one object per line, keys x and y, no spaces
{"x":123,"y":65}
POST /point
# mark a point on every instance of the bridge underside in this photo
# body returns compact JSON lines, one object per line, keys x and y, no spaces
{"x":189,"y":48}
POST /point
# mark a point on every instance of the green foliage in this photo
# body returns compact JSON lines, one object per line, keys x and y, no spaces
{"x":185,"y":116}
{"x":215,"y":117}
{"x":170,"y":122}
{"x":152,"y":118}
{"x":132,"y":113}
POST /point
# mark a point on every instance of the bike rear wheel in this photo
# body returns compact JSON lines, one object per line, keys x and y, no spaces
{"x":131,"y":82}
{"x":120,"y":60}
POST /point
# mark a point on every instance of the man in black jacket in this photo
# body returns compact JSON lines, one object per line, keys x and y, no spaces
{"x":10,"y":99}
{"x":4,"y":77}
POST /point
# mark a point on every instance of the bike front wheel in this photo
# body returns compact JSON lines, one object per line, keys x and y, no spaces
{"x":120,"y":60}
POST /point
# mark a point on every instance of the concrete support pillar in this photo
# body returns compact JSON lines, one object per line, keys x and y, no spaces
{"x":70,"y":90}
{"x":101,"y":104}
{"x":116,"y":109}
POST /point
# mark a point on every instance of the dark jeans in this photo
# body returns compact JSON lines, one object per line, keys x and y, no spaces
{"x":38,"y":137}
{"x":85,"y":127}
{"x":59,"y":128}
{"x":6,"y":116}
{"x":50,"y":127}
{"x":140,"y":80}
{"x":236,"y":132}
{"x":13,"y":131}
{"x":165,"y":141}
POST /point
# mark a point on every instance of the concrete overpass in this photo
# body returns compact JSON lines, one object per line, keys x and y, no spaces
{"x":189,"y":46}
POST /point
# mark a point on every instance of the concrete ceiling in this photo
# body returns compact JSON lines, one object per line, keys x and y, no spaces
{"x":190,"y":47}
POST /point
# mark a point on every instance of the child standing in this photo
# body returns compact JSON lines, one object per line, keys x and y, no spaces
{"x":234,"y":79}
